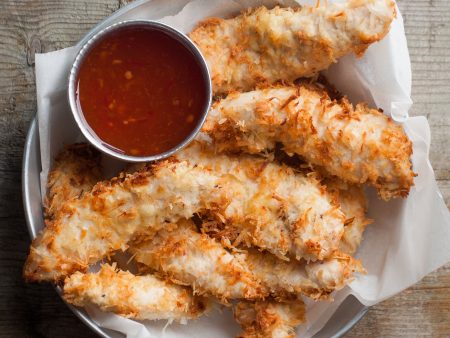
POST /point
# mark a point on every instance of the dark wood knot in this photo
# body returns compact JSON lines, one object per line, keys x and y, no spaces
{"x":34,"y":46}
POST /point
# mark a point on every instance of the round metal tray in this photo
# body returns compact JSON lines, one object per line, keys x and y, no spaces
{"x":346,"y":316}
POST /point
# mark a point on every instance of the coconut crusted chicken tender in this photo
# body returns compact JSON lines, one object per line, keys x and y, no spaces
{"x":356,"y":144}
{"x":104,"y":220}
{"x":263,"y":46}
{"x":187,"y":257}
{"x":138,"y":297}
{"x":316,"y":280}
{"x":76,"y":170}
{"x":282,"y":211}
{"x":271,"y":206}
{"x":354,"y":205}
{"x":269,"y":319}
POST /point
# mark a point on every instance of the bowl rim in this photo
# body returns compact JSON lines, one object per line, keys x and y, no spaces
{"x":86,"y":47}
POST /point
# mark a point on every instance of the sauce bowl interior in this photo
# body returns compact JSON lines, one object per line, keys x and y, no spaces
{"x":79,"y":117}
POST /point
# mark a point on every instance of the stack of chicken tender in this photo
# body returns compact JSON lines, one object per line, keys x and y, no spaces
{"x":226,"y":220}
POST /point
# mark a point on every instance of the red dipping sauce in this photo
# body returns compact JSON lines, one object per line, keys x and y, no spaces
{"x":141,"y":91}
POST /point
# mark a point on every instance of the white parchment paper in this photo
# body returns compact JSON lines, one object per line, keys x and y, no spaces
{"x":410,"y":237}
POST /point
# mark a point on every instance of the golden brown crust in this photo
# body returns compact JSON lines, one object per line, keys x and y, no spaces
{"x":104,"y":220}
{"x":76,"y":170}
{"x":186,"y":257}
{"x":357,"y":144}
{"x":258,"y":274}
{"x":353,"y":203}
{"x":264,"y":46}
{"x":270,"y":206}
{"x":317,"y":280}
{"x":189,"y":258}
{"x":269,"y":319}
{"x":138,"y":297}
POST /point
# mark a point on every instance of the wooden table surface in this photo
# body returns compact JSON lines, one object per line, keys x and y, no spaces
{"x":29,"y":26}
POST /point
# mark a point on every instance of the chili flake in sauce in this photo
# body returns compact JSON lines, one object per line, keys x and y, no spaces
{"x":141,"y":91}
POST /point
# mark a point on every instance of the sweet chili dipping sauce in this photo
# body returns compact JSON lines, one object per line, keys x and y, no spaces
{"x":141,"y":91}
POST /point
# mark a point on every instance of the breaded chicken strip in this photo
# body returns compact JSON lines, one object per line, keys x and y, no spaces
{"x":272,"y":206}
{"x":352,"y":202}
{"x":76,"y":170}
{"x":138,"y":297}
{"x":356,"y":144}
{"x":354,"y":205}
{"x":316,"y":280}
{"x":282,"y":211}
{"x":264,"y":46}
{"x":269,"y":319}
{"x":187,"y":257}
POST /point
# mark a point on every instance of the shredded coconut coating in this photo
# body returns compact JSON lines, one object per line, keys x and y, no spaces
{"x":356,"y":144}
{"x":283,"y":212}
{"x":187,"y":257}
{"x":315,"y":280}
{"x":76,"y":170}
{"x":264,"y":46}
{"x":100,"y":222}
{"x":138,"y":297}
{"x":269,"y":319}
{"x":275,"y":208}
{"x":353,"y":203}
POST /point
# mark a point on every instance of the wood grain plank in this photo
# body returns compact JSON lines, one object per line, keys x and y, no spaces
{"x":395,"y":317}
